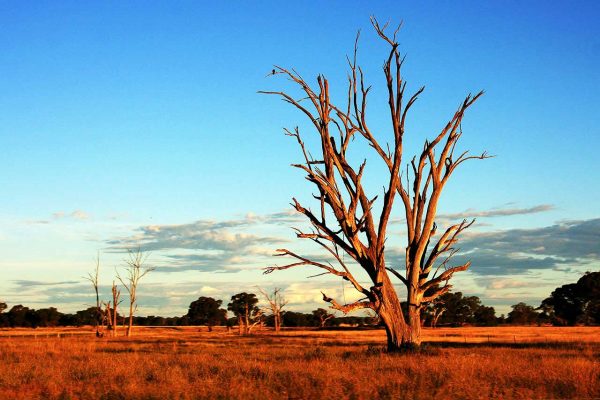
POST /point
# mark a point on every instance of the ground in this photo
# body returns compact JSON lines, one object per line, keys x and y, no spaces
{"x":191,"y":363}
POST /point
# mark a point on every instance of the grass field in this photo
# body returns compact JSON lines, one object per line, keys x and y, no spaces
{"x":190,"y":363}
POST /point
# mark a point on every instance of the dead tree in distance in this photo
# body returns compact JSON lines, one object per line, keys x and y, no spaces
{"x":112,"y":311}
{"x":116,"y":295}
{"x":347,"y":221}
{"x":135,"y":271}
{"x":93,"y":277}
{"x":276,"y":303}
{"x":323,"y":316}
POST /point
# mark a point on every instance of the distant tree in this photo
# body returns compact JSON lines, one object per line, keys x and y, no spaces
{"x":546,"y":316}
{"x":348,"y":320}
{"x":522,"y":314}
{"x":433,"y":311}
{"x":458,"y":309}
{"x":47,"y":317}
{"x":175,"y":321}
{"x":3,"y":317}
{"x":150,"y":320}
{"x":501,"y":319}
{"x":156,"y":320}
{"x":322,"y":315}
{"x":297,"y":319}
{"x":590,"y":284}
{"x":244,"y":307}
{"x":135,"y":271}
{"x":206,"y":311}
{"x":86,"y":317}
{"x":93,"y":277}
{"x":485,"y":316}
{"x":575,"y":303}
{"x":565,"y":305}
{"x":276,"y":303}
{"x":112,"y":310}
{"x":68,"y":320}
{"x":231,"y":323}
{"x":18,"y":316}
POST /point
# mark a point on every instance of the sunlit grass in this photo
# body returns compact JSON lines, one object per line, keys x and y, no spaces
{"x":190,"y":363}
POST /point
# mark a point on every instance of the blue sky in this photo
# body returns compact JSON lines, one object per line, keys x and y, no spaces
{"x":118,"y":121}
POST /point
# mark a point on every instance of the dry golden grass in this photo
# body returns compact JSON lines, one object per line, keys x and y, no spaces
{"x":184,"y":363}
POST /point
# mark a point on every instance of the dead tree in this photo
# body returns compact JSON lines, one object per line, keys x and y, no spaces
{"x":93,"y":277}
{"x":135,"y":271}
{"x":256,"y":320}
{"x":116,"y":295}
{"x":323,"y":316}
{"x":437,"y":313}
{"x":276,"y":304}
{"x":112,"y":312}
{"x":107,"y":315}
{"x":347,"y":220}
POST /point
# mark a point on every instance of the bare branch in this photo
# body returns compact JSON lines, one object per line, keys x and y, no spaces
{"x":346,"y":308}
{"x":135,"y":271}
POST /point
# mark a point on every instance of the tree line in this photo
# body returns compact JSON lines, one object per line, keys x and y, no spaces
{"x":571,"y":304}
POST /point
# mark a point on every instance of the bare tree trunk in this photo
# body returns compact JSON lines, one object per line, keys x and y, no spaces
{"x":276,"y":304}
{"x":436,"y":317}
{"x":391,"y":315}
{"x":108,"y":317}
{"x":414,"y":325}
{"x":240,"y":325}
{"x":135,"y":271}
{"x":130,"y":326}
{"x":115,"y":322}
{"x":413,"y":338}
{"x":94,"y":279}
{"x":115,"y":294}
{"x":257,"y":322}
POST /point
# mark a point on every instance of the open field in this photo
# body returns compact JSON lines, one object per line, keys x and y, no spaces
{"x":190,"y":363}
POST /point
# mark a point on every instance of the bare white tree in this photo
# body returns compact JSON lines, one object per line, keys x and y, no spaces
{"x":135,"y":270}
{"x":111,"y":309}
{"x":93,"y":277}
{"x":276,"y":303}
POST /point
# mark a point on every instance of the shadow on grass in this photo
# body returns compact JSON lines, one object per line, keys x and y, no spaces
{"x":510,"y":345}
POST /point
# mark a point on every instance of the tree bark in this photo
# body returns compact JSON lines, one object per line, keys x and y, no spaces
{"x":391,"y":315}
{"x":277,"y":322}
{"x":114,"y":322}
{"x":109,"y":318}
{"x":115,"y":295}
{"x":414,"y":327}
{"x":246,"y":320}
{"x":129,"y":327}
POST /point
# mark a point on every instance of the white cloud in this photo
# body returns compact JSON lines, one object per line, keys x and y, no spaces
{"x":497,"y":212}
